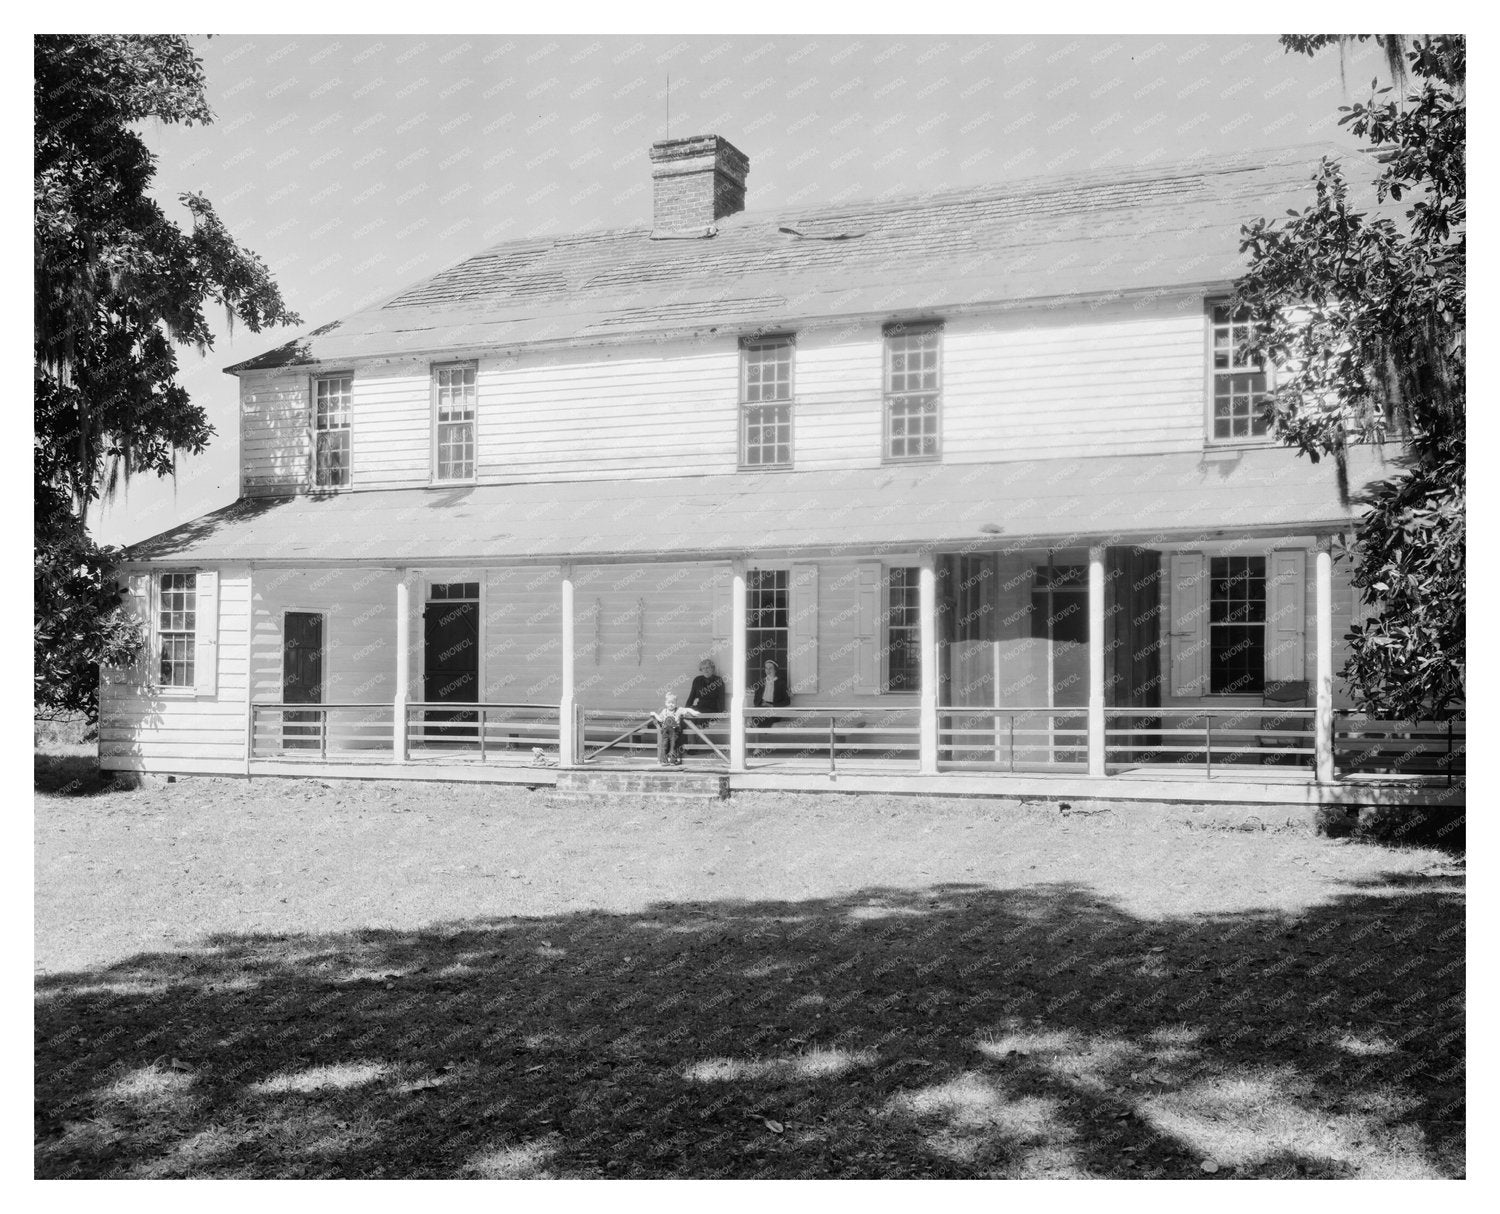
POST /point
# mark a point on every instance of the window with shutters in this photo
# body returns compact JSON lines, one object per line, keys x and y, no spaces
{"x":176,"y":629}
{"x":766,"y":402}
{"x":1239,"y":384}
{"x":1237,"y":624}
{"x":767,"y":622}
{"x":913,"y":391}
{"x":454,"y":408}
{"x":333,"y":396}
{"x":903,"y":670}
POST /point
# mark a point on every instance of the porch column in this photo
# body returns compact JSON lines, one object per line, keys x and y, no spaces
{"x":737,"y":651}
{"x":567,"y":733}
{"x":1096,"y":661}
{"x":927,"y":635}
{"x":249,"y":668}
{"x":403,"y":660}
{"x":1323,"y":704}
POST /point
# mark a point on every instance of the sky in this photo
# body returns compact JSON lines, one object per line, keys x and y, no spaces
{"x":354,"y":165}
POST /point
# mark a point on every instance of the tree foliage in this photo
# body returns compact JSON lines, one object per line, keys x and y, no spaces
{"x":1359,"y":300}
{"x":117,"y":287}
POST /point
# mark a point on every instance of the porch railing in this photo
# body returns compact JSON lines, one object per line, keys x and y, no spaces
{"x":1012,"y":739}
{"x":316,"y":731}
{"x":834,"y":732}
{"x":1366,"y":746}
{"x":633,"y":734}
{"x":487,"y":729}
{"x":1209,"y":737}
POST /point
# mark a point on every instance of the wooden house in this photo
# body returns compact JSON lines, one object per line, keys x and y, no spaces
{"x":983,"y":471}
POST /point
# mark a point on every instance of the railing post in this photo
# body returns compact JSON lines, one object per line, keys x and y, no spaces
{"x":481,"y":735}
{"x":1012,"y":743}
{"x":403,"y":663}
{"x":249,"y":668}
{"x":1323,"y":717}
{"x":567,"y":719}
{"x":738,"y":623}
{"x":1448,"y":758}
{"x":927,"y":629}
{"x":832,"y":762}
{"x":1208,"y":746}
{"x":1096,"y":661}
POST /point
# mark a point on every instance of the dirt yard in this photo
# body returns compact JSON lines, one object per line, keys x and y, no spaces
{"x":293,"y":978}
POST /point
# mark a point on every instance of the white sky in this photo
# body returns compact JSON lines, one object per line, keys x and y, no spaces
{"x":356,"y":164}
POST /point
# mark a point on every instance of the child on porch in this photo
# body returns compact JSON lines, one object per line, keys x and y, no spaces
{"x":669,"y":723}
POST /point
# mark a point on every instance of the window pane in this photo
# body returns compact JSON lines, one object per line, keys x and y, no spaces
{"x":766,"y":618}
{"x":903,"y":631}
{"x":912,"y":388}
{"x":333,"y":458}
{"x":1237,"y":630}
{"x":768,"y":435}
{"x":768,"y":371}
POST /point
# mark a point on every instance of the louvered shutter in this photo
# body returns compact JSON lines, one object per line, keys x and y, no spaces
{"x":1286,"y":615}
{"x":206,"y":635}
{"x":137,"y":603}
{"x":802,"y":642}
{"x":869,"y":627}
{"x":1188,"y":636}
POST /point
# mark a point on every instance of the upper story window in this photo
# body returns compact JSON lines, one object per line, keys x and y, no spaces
{"x":913,"y":391}
{"x":454,"y":405}
{"x":333,"y":396}
{"x":177,"y":628}
{"x":766,"y":402}
{"x":1240,"y":385}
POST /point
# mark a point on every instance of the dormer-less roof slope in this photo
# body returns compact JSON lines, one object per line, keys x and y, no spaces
{"x":1096,"y":234}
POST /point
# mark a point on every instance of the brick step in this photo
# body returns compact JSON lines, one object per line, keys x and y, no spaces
{"x":706,"y":785}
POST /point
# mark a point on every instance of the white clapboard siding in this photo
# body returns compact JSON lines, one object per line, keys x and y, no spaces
{"x":392,"y":418}
{"x":663,"y":408}
{"x":522,"y":660}
{"x":837,"y":420}
{"x":1021,"y":384}
{"x":144,"y":728}
{"x":655,"y":623}
{"x":359,"y":631}
{"x":274,"y":455}
{"x":1037,"y":383}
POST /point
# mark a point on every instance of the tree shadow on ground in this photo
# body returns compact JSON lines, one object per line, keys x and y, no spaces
{"x":957,"y":1031}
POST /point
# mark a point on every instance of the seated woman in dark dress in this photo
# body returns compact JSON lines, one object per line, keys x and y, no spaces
{"x":707,"y":692}
{"x":771,"y":692}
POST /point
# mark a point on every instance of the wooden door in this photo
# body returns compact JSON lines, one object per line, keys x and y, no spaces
{"x":450,"y":664}
{"x":301,"y":678}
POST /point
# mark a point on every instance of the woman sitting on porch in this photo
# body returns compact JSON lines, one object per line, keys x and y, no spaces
{"x":771,"y":692}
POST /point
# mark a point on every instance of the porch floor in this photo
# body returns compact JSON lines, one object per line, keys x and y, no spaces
{"x":1244,"y":783}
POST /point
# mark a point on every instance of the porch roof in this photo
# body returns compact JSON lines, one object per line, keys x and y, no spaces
{"x":1115,"y":499}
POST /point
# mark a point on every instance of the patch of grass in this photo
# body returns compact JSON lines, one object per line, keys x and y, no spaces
{"x":73,"y":771}
{"x":296,"y":979}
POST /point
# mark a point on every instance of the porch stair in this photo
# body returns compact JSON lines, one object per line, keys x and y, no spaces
{"x":673,"y":784}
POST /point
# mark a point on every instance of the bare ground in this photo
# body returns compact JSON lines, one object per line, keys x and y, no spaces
{"x":291,"y":978}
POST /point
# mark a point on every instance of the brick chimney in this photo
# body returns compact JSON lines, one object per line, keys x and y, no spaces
{"x":695,"y":181}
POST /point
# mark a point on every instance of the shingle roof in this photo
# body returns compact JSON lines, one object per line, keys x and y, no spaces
{"x":1269,"y":491}
{"x":1096,"y":233}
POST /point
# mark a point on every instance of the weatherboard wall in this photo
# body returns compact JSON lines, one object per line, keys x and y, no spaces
{"x":1066,"y":381}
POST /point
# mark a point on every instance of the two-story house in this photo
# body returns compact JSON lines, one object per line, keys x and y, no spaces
{"x":982,"y":471}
